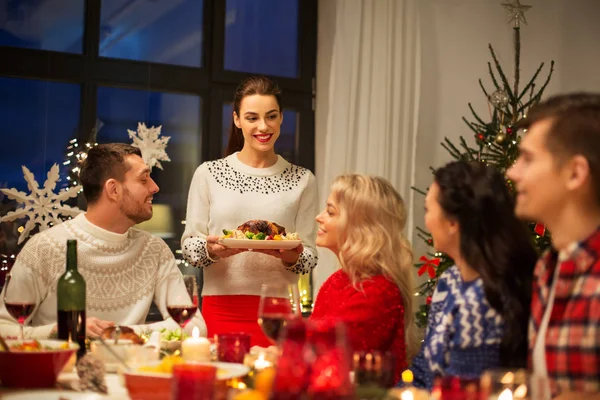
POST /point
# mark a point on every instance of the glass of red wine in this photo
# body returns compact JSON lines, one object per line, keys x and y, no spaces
{"x":179,"y":303}
{"x":19,"y":303}
{"x":279,"y":303}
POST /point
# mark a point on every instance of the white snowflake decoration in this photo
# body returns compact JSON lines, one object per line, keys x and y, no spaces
{"x":152,"y":147}
{"x":42,"y":206}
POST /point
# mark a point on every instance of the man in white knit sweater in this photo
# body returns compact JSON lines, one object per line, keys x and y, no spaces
{"x":125,"y":269}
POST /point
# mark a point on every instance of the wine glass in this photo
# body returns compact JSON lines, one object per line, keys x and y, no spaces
{"x":19,"y":303}
{"x":179,"y":303}
{"x":279,"y":302}
{"x":329,"y":377}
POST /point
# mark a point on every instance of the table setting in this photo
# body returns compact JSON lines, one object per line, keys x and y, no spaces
{"x":120,"y":364}
{"x":307,"y":360}
{"x":110,"y":370}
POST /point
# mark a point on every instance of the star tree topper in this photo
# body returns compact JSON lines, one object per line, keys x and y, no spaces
{"x":152,"y":147}
{"x":42,"y":206}
{"x":516,"y":12}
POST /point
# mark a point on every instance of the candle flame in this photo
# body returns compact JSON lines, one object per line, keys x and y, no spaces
{"x":241,"y":385}
{"x":195,"y":332}
{"x":508,"y":378}
{"x":261,"y":362}
{"x":521,"y":391}
{"x":505,"y":395}
{"x":407,"y":395}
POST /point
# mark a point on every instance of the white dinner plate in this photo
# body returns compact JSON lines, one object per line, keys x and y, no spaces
{"x":230,"y":370}
{"x":224,"y":370}
{"x":260,"y":244}
{"x":115,"y":391}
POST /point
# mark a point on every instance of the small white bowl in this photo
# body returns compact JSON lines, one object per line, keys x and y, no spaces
{"x":170,"y":346}
{"x":111,"y":363}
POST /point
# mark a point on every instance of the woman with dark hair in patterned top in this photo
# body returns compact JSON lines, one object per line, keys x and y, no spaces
{"x":251,"y":182}
{"x":480,"y":307}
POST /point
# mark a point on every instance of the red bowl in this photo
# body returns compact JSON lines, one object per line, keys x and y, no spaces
{"x":148,"y":386}
{"x":157,"y":386}
{"x":143,"y":385}
{"x":34,"y":369}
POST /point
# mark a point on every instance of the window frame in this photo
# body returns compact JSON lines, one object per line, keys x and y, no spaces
{"x":211,"y":82}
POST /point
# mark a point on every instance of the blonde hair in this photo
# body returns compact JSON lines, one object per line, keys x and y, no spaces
{"x":371,"y":242}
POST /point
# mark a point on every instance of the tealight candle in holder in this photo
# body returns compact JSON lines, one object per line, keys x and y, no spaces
{"x":261,"y":362}
{"x":506,"y":395}
{"x":257,"y":360}
{"x":407,"y":395}
{"x":196,"y":348}
{"x":506,"y":385}
{"x":232,"y":347}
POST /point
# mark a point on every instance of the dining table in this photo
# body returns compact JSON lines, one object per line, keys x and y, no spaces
{"x":63,"y":390}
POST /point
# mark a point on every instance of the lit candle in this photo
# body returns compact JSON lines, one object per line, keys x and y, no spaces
{"x":196,"y":348}
{"x":520,"y":392}
{"x":261,"y":362}
{"x":407,"y":395}
{"x":506,"y":395}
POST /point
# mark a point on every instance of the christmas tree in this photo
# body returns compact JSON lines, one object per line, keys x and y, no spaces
{"x":495,"y":143}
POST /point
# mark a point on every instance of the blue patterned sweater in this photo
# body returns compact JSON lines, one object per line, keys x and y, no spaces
{"x":463,"y":332}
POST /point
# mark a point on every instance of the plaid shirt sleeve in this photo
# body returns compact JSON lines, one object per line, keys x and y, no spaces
{"x":573,"y":335}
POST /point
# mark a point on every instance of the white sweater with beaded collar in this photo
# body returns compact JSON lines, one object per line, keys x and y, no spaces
{"x":226,"y":193}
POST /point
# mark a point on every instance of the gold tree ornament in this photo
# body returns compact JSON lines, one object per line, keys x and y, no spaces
{"x":516,"y":12}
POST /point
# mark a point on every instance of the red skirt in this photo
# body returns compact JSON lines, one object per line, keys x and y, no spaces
{"x":235,"y":313}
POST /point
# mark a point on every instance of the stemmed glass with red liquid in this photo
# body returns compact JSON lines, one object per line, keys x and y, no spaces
{"x":19,"y":303}
{"x":179,"y":303}
{"x":279,"y":303}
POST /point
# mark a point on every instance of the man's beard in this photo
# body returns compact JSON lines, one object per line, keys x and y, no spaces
{"x":133,"y":210}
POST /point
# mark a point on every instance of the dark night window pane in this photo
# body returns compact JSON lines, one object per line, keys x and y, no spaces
{"x":285,"y":145}
{"x":45,"y":25}
{"x":161,"y":31}
{"x":180,"y":117}
{"x":261,"y":36}
{"x":38,"y":120}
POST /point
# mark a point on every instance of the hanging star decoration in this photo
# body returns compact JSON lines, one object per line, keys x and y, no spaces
{"x":42,"y":206}
{"x":152,"y":147}
{"x":516,"y":12}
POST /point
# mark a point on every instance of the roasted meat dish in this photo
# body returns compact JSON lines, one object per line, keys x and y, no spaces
{"x":258,"y":225}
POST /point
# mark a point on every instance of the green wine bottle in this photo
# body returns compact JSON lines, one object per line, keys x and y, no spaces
{"x":70,"y":293}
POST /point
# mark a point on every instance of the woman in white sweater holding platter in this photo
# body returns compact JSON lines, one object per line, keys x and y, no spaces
{"x":251,"y":183}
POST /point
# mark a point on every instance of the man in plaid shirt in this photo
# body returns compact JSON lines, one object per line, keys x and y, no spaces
{"x":557,"y":179}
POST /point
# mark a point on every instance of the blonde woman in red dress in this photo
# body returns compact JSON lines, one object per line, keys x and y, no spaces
{"x":372,"y":293}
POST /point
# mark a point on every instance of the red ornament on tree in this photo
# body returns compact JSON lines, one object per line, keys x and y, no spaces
{"x":540,"y":229}
{"x":480,"y":136}
{"x":509,"y":130}
{"x":428,"y":300}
